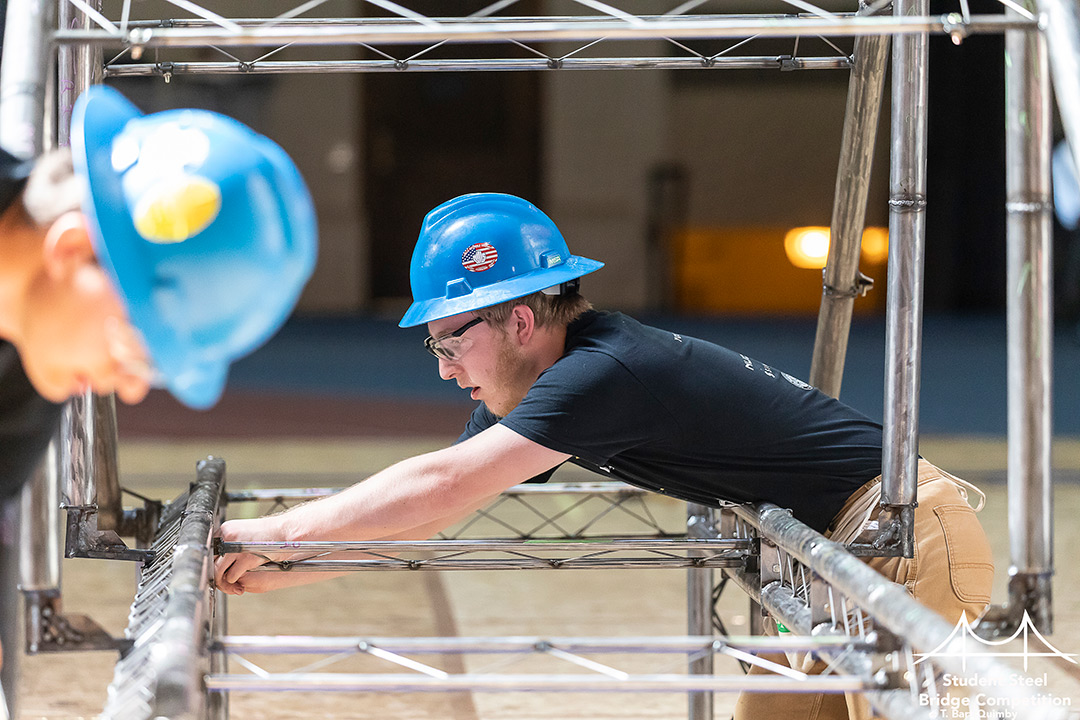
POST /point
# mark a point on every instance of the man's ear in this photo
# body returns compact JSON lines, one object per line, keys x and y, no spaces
{"x":523,"y":323}
{"x":67,"y":246}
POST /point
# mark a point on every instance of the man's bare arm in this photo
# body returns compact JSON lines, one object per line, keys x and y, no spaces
{"x":413,"y":499}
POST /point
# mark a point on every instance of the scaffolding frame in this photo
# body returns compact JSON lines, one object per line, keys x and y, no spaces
{"x":31,"y":96}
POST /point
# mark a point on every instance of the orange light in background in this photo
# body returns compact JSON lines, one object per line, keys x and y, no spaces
{"x":808,"y":247}
{"x":875,"y":245}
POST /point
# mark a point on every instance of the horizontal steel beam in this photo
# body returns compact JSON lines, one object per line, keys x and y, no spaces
{"x":528,"y":546}
{"x":297,"y":645}
{"x":416,"y":682}
{"x":541,"y":30}
{"x":554,"y":488}
{"x":437,"y":564}
{"x":321,"y":67}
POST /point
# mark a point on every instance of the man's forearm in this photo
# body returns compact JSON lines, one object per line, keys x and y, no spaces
{"x":414,"y":498}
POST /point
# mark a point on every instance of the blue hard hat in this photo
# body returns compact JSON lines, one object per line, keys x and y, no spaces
{"x":205,"y":227}
{"x":482,"y":249}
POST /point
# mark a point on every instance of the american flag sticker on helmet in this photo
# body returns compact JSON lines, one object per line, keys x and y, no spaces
{"x":479,"y":257}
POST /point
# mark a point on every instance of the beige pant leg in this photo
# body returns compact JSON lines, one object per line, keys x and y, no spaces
{"x":952,"y":572}
{"x":953,"y":567}
{"x":790,"y":706}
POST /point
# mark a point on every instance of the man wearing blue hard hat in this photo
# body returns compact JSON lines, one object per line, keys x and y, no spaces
{"x":559,"y":382}
{"x":156,"y":251}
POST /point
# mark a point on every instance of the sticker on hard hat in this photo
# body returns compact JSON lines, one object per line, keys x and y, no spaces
{"x":174,"y":210}
{"x":479,"y":257}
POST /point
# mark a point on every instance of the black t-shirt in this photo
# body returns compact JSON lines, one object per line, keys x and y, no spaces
{"x":27,"y":420}
{"x":690,"y":419}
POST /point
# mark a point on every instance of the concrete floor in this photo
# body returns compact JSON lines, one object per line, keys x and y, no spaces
{"x":568,"y":603}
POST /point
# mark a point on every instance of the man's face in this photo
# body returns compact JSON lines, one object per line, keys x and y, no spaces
{"x":77,"y":335}
{"x":492,"y":364}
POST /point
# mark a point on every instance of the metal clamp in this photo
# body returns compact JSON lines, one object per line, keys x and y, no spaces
{"x":863,"y":285}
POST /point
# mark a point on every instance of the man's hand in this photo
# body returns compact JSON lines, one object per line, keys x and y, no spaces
{"x":230,"y":570}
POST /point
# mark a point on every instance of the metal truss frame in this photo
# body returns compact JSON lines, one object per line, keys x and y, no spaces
{"x":866,"y":629}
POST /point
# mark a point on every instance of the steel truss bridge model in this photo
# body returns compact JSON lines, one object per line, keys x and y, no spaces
{"x":867,"y":629}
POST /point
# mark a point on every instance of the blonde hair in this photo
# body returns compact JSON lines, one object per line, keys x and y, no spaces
{"x":547,"y":309}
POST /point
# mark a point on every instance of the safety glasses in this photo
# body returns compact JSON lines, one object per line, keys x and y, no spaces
{"x":452,"y":345}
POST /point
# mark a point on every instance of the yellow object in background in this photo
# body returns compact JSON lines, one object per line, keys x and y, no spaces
{"x":750,"y":271}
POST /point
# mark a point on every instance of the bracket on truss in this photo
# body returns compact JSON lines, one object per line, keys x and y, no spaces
{"x":86,"y":541}
{"x":48,"y":629}
{"x":891,"y":535}
{"x":1029,"y":597}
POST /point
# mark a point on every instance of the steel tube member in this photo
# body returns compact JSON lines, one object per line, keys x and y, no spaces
{"x":892,"y":608}
{"x":181,"y":662}
{"x":23,"y":84}
{"x":39,"y":543}
{"x":841,"y":284}
{"x":584,"y":28}
{"x":700,"y":523}
{"x":907,"y":231}
{"x":10,"y":637}
{"x":1030,"y":322}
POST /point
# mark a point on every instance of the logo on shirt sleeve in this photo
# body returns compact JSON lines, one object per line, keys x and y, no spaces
{"x":797,"y":382}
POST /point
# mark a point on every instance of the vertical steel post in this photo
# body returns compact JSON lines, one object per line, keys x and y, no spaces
{"x":700,"y":523}
{"x":23,"y":90}
{"x":1061,"y":25}
{"x":23,"y":84}
{"x":10,"y":616}
{"x":907,"y":234}
{"x":39,"y":547}
{"x":89,"y":466}
{"x":88,"y":458}
{"x":1030,"y":323}
{"x":841,"y":285}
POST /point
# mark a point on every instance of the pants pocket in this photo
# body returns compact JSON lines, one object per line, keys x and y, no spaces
{"x":971,"y":565}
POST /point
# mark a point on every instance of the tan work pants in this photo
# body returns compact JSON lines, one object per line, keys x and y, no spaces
{"x":951,"y":572}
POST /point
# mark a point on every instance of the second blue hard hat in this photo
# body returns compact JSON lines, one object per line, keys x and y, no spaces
{"x":205,"y":227}
{"x":482,"y":249}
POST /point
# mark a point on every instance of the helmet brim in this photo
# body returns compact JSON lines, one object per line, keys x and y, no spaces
{"x":426,"y":311}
